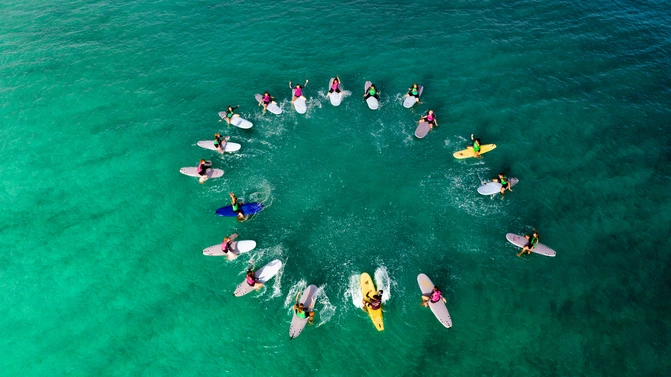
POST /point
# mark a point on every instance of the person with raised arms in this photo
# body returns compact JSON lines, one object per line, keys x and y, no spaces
{"x":236,"y":206}
{"x":302,"y":312}
{"x":298,"y":90}
{"x":534,"y":238}
{"x":373,"y":303}
{"x":335,"y":86}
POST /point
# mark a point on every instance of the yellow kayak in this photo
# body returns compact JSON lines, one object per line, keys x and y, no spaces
{"x":466,"y":153}
{"x":367,"y":286}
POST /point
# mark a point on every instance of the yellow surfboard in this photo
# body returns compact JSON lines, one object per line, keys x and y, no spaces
{"x":367,"y":286}
{"x":466,"y":153}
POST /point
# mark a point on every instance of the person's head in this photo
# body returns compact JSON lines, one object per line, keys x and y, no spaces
{"x":414,"y":85}
{"x":202,"y":161}
{"x":217,"y":135}
{"x":250,"y":272}
{"x":265,"y":93}
{"x":501,"y":175}
{"x":226,"y":239}
{"x":336,"y":80}
{"x":298,"y":86}
{"x":301,"y":306}
{"x":430,"y":111}
{"x":435,"y":288}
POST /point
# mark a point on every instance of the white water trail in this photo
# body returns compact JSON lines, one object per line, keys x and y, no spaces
{"x":326,"y":309}
{"x":290,"y":300}
{"x":354,"y":291}
{"x":383,"y":282}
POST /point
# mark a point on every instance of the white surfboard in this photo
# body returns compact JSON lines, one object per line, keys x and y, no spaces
{"x":237,"y":248}
{"x":371,"y":101}
{"x":263,"y":274}
{"x":492,"y":188}
{"x":192,"y":171}
{"x":236,"y":120}
{"x":521,"y":241}
{"x":299,"y":103}
{"x":272,"y":106}
{"x":308,"y":301}
{"x":410,"y":101}
{"x":438,"y":308}
{"x":335,"y":97}
{"x":422,"y":129}
{"x":209,"y":144}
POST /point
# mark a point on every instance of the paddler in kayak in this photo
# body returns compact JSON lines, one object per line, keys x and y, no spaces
{"x":303,"y":312}
{"x":335,"y":86}
{"x":220,"y":142}
{"x":266,"y":99}
{"x":202,"y":169}
{"x":430,"y":118}
{"x":534,"y":238}
{"x":236,"y":205}
{"x":230,"y":113}
{"x":372,"y":92}
{"x":475,"y":147}
{"x":373,"y":303}
{"x":298,"y":90}
{"x":413,"y":91}
{"x":505,"y":183}
{"x":434,"y":297}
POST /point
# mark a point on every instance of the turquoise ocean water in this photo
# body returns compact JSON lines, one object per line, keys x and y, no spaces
{"x":102,"y":271}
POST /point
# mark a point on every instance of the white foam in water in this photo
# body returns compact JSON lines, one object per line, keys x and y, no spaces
{"x":326,"y":309}
{"x":354,"y":291}
{"x":290,"y":300}
{"x":383,"y":282}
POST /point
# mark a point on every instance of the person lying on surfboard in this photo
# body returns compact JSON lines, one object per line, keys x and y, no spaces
{"x":236,"y":206}
{"x":303,"y":312}
{"x":251,"y":280}
{"x":335,"y":86}
{"x":373,"y":303}
{"x":372,"y":92}
{"x":475,"y":147}
{"x":430,"y":118}
{"x":202,"y":169}
{"x":505,"y":183}
{"x":220,"y":142}
{"x":229,"y":113}
{"x":298,"y":90}
{"x":533,"y":241}
{"x":413,"y":91}
{"x":435,"y":296}
{"x":266,"y":99}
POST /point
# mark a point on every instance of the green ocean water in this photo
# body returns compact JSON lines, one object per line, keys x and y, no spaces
{"x":102,"y":269}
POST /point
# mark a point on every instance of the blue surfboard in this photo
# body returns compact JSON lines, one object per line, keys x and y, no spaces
{"x":247,"y":209}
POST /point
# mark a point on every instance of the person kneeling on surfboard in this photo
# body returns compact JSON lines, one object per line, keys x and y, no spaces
{"x":435,"y":296}
{"x":251,"y":280}
{"x":372,"y":92}
{"x":302,"y":312}
{"x":414,"y":91}
{"x":430,"y":118}
{"x":505,"y":184}
{"x":375,"y":302}
{"x":229,"y":113}
{"x":335,"y":86}
{"x":298,"y":90}
{"x":235,"y":206}
{"x":266,"y":99}
{"x":533,"y":241}
{"x":220,"y":142}
{"x":475,"y":147}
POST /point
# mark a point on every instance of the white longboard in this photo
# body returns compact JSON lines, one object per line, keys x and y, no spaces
{"x":272,"y":106}
{"x":299,"y":103}
{"x":236,"y":120}
{"x":521,"y":241}
{"x":335,"y":97}
{"x":209,"y":144}
{"x":438,"y":308}
{"x":422,"y":129}
{"x":372,"y":102}
{"x":492,"y":188}
{"x":263,"y":274}
{"x":410,"y":101}
{"x":308,"y":301}
{"x":192,"y":171}
{"x":236,"y":248}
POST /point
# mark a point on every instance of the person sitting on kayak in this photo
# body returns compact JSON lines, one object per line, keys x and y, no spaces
{"x":202,"y":169}
{"x":252,"y":281}
{"x":226,"y":244}
{"x":236,"y":206}
{"x":375,"y":302}
{"x":372,"y":92}
{"x":266,"y":99}
{"x":430,"y":118}
{"x":505,"y":183}
{"x":220,"y":142}
{"x":434,"y":297}
{"x":414,"y":91}
{"x":335,"y":86}
{"x":298,"y":90}
{"x":303,"y":312}
{"x":229,"y":113}
{"x":533,"y":241}
{"x":475,"y":147}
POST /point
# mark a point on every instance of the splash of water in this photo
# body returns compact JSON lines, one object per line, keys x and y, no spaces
{"x":290,"y":300}
{"x":326,"y":309}
{"x":354,"y":291}
{"x":384,"y":282}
